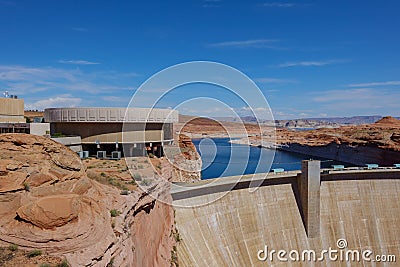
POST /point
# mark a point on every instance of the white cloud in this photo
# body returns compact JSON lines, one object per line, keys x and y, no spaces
{"x":78,"y":62}
{"x":54,"y":102}
{"x":345,"y":95}
{"x":27,"y":80}
{"x":371,"y":84}
{"x":309,"y":63}
{"x":358,"y":101}
{"x":272,"y":80}
{"x":256,"y":43}
{"x":279,"y":4}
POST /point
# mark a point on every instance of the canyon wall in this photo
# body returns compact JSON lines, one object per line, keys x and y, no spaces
{"x":357,"y":155}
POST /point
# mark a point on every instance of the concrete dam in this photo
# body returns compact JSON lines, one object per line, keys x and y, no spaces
{"x":353,"y":210}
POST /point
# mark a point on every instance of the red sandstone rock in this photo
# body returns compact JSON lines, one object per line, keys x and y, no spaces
{"x":47,"y":202}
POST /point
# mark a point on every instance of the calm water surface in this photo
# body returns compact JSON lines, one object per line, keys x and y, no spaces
{"x":221,"y":158}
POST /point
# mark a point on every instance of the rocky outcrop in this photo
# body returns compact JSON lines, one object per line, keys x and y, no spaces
{"x":47,"y":202}
{"x":183,"y":163}
{"x":357,"y":155}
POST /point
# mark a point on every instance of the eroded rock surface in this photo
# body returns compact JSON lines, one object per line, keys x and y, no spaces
{"x":47,"y":202}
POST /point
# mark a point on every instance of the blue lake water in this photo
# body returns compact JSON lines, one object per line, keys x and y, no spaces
{"x":221,"y":158}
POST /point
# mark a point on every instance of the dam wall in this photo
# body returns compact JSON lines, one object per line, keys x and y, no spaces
{"x":231,"y":230}
{"x":357,"y":155}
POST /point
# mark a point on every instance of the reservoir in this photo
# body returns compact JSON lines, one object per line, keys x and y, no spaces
{"x":221,"y":158}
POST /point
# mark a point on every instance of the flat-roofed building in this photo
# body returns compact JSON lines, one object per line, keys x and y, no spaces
{"x":12,"y":118}
{"x":11,"y":110}
{"x":137,"y":130}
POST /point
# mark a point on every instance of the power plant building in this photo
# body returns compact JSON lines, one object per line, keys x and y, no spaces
{"x":138,"y":130}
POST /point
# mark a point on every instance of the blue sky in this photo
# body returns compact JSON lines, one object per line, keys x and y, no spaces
{"x":309,"y":58}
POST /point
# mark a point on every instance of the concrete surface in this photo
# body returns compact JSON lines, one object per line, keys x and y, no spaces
{"x":360,"y":206}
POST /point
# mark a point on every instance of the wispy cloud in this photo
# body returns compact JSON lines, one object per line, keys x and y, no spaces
{"x":78,"y":62}
{"x":29,"y":80}
{"x":373,"y":84}
{"x":358,"y":101}
{"x":255,"y":43}
{"x":309,"y":63}
{"x":273,"y":80}
{"x":54,"y":102}
{"x":211,"y":3}
{"x":7,"y":3}
{"x":279,"y":4}
{"x":79,"y":29}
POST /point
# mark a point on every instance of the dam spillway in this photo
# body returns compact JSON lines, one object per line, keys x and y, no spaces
{"x":361,"y":207}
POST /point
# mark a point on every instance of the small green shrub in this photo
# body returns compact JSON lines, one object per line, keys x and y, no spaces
{"x":34,"y":253}
{"x":103,"y":174}
{"x":13,"y":247}
{"x":124,"y":192}
{"x":114,"y":213}
{"x":140,"y":166}
{"x":27,"y":187}
{"x":111,"y":263}
{"x":151,"y":155}
{"x":64,"y":263}
{"x":137,"y":176}
{"x":45,"y":265}
{"x":145,"y":182}
{"x":58,"y":135}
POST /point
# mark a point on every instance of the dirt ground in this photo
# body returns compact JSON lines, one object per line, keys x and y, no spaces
{"x":123,"y":174}
{"x":14,"y":257}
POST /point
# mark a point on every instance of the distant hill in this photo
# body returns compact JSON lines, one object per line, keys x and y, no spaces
{"x":388,"y":121}
{"x":300,"y":123}
{"x":354,"y":120}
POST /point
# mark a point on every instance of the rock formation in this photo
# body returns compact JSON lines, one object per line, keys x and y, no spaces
{"x":49,"y":203}
{"x":183,"y":163}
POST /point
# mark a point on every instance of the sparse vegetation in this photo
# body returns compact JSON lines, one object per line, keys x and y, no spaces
{"x":103,"y":174}
{"x":114,"y":212}
{"x":27,"y":187}
{"x":13,"y":247}
{"x":112,"y":224}
{"x":146,"y":182}
{"x":174,"y":257}
{"x":140,"y":166}
{"x":45,"y":265}
{"x":137,"y":176}
{"x":124,"y":192}
{"x":58,"y":135}
{"x":34,"y":253}
{"x":151,"y":155}
{"x":64,"y":263}
{"x":111,"y":263}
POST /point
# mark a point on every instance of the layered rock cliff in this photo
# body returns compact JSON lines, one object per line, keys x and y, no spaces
{"x":49,"y":204}
{"x":374,"y":143}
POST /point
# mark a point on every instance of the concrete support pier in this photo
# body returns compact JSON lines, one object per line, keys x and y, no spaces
{"x":309,"y":187}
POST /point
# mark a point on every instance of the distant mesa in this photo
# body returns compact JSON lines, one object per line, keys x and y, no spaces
{"x":388,"y":120}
